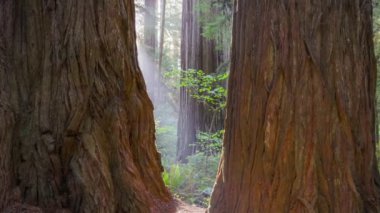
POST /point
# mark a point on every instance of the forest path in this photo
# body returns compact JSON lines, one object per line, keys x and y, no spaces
{"x":183,"y":207}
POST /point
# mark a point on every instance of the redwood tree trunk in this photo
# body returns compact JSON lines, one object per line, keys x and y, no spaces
{"x":300,"y":128}
{"x":197,"y":53}
{"x":77,"y":128}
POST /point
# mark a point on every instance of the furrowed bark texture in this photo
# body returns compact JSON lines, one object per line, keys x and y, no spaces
{"x":300,"y":128}
{"x":197,"y":53}
{"x":77,"y":127}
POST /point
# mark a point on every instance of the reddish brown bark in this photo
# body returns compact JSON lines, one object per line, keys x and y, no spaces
{"x":77,"y":127}
{"x":300,"y":128}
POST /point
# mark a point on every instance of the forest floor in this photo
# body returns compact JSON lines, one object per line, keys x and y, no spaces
{"x":187,"y":208}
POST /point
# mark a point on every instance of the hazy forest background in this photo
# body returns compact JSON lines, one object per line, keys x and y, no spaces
{"x":190,"y":178}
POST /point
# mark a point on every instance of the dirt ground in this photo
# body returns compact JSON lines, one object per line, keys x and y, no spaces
{"x":177,"y":206}
{"x":186,"y":208}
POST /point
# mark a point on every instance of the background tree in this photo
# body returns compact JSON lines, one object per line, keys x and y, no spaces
{"x":300,"y":128}
{"x":77,"y":128}
{"x":162,"y":35}
{"x":198,"y":52}
{"x":376,"y":29}
{"x":150,"y":24}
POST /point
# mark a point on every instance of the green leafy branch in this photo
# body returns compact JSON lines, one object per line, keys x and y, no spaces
{"x":206,"y":88}
{"x":210,"y":143}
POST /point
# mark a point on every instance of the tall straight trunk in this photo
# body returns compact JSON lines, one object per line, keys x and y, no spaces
{"x":197,"y":53}
{"x":162,"y":35}
{"x":77,"y":127}
{"x":150,"y":24}
{"x":300,"y":128}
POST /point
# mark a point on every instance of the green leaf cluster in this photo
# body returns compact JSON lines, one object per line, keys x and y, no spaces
{"x":175,"y":176}
{"x":206,"y":88}
{"x":193,"y":182}
{"x":210,"y":143}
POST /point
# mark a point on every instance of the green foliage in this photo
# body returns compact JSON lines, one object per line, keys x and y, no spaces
{"x":210,"y":143}
{"x":175,"y":176}
{"x":206,"y":88}
{"x":216,"y":21}
{"x":193,"y":182}
{"x":162,"y":130}
{"x":212,"y":29}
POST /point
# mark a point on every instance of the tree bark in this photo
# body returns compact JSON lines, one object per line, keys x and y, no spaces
{"x":197,"y":53}
{"x":300,"y":128}
{"x":77,"y":127}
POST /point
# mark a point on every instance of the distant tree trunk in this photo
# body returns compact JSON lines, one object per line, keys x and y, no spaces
{"x":300,"y":129}
{"x":77,"y":128}
{"x":150,"y":22}
{"x":162,"y":35}
{"x":197,"y":53}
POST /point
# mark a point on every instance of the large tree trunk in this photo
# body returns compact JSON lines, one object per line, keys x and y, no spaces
{"x":300,"y":128}
{"x":77,"y":128}
{"x":197,"y":53}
